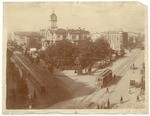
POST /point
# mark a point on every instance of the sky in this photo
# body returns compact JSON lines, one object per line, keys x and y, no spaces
{"x":94,"y":16}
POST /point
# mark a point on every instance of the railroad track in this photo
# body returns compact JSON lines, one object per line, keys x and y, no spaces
{"x":51,"y":85}
{"x":36,"y":83}
{"x":119,"y":71}
{"x":46,"y":78}
{"x":21,"y":65}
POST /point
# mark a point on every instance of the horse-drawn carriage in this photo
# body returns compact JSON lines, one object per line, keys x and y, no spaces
{"x":132,"y":82}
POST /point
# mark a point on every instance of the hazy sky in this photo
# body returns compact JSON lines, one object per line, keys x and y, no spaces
{"x":95,"y":17}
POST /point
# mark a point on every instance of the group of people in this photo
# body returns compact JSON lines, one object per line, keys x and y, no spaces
{"x":103,"y":105}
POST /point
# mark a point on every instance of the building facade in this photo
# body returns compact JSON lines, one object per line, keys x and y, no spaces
{"x":55,"y":34}
{"x":28,"y":39}
{"x":135,"y":38}
{"x":114,"y":38}
{"x":117,"y":39}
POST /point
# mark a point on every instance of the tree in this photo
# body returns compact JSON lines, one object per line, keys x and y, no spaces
{"x":61,"y":53}
{"x":83,"y":54}
{"x":102,"y":49}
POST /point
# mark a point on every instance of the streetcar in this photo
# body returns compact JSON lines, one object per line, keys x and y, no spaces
{"x":104,"y":78}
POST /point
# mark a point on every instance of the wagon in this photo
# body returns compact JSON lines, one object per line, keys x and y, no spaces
{"x":132,"y":82}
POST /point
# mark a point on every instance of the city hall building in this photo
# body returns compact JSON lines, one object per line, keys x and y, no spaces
{"x":55,"y":34}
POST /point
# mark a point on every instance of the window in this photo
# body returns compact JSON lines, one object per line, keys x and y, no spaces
{"x":79,"y":36}
{"x":85,"y":36}
{"x":73,"y":36}
{"x":58,"y":36}
{"x":64,"y":36}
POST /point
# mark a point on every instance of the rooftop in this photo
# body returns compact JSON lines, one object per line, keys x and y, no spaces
{"x":28,"y":34}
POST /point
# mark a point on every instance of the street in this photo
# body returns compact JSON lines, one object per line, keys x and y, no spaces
{"x":75,"y":55}
{"x":117,"y":89}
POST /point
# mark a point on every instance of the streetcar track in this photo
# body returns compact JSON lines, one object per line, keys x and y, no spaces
{"x":121,"y":74}
{"x":84,"y":100}
{"x":118,"y":68}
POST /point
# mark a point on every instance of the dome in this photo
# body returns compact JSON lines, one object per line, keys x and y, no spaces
{"x":53,"y":16}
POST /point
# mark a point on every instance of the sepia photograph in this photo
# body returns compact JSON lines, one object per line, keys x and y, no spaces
{"x":75,"y":57}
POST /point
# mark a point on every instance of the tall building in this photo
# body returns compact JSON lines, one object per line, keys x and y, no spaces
{"x":53,"y":19}
{"x":55,"y":34}
{"x":115,"y":39}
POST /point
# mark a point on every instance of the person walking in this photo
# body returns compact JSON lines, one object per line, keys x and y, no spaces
{"x":98,"y":107}
{"x":133,"y":66}
{"x":129,"y":90}
{"x":89,"y":69}
{"x":137,"y":98}
{"x":34,"y":95}
{"x":108,"y":103}
{"x":114,"y":76}
{"x":121,"y":99}
{"x":107,"y":90}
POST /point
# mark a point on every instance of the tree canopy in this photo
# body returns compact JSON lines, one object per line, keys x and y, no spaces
{"x":82,"y":53}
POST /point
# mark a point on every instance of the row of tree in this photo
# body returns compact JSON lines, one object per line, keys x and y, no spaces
{"x":81,"y":54}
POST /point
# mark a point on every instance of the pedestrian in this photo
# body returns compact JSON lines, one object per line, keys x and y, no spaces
{"x":121,"y":100}
{"x":108,"y":103}
{"x":114,"y":76}
{"x":75,"y":71}
{"x":142,"y":79}
{"x":34,"y":95}
{"x":89,"y":69}
{"x":137,"y":98}
{"x":129,"y":91}
{"x":107,"y":90}
{"x":133,"y":65}
{"x":103,"y":105}
{"x":98,"y":107}
{"x":141,"y":71}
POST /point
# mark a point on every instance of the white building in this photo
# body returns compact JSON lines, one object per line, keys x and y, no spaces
{"x":28,"y":39}
{"x":135,"y":37}
{"x":54,"y":34}
{"x":114,"y":38}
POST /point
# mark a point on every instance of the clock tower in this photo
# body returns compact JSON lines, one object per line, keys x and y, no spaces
{"x":53,"y":19}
